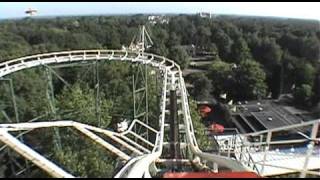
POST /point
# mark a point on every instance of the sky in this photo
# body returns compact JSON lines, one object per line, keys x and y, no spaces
{"x":301,"y":10}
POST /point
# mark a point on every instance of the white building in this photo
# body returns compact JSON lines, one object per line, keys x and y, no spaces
{"x":154,"y":19}
{"x":204,"y":14}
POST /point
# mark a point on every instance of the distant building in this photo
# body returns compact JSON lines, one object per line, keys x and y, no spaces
{"x":155,"y":19}
{"x":256,"y":116}
{"x":204,"y":14}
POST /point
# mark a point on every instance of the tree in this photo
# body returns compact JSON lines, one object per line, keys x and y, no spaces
{"x":30,"y":93}
{"x":229,"y":78}
{"x":159,"y":49}
{"x":268,"y":53}
{"x":311,"y":49}
{"x":160,"y":38}
{"x":180,"y":56}
{"x":174,"y":40}
{"x":159,"y":35}
{"x":79,"y":157}
{"x":213,"y":49}
{"x":288,"y":72}
{"x":223,"y":42}
{"x":316,"y":88}
{"x":202,"y":86}
{"x":221,"y":75}
{"x":240,"y":51}
{"x":12,"y":46}
{"x":302,"y":95}
{"x":231,"y":29}
{"x":304,"y":73}
{"x":251,"y":80}
{"x":86,"y":41}
{"x":82,"y":101}
{"x":44,"y":48}
{"x":184,"y":28}
{"x":203,"y":37}
{"x":112,"y":40}
{"x":202,"y":138}
{"x":290,"y":42}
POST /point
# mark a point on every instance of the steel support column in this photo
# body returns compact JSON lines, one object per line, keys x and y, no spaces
{"x":140,"y":97}
{"x":16,"y":114}
{"x":53,"y":110}
{"x":97,"y":92}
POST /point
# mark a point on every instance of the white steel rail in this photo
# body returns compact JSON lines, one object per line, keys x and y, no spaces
{"x":221,"y":160}
{"x":141,"y":166}
{"x":142,"y":163}
{"x":85,"y":55}
{"x":37,"y":159}
{"x":244,"y":149}
{"x":33,"y":156}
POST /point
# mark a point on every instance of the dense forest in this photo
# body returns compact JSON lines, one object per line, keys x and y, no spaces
{"x":254,"y":57}
{"x":271,"y":55}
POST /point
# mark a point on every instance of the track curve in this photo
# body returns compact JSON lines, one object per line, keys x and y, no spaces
{"x":139,"y":166}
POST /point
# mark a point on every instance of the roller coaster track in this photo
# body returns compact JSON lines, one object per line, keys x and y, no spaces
{"x":139,"y":165}
{"x":142,"y":161}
